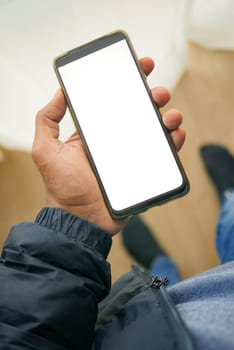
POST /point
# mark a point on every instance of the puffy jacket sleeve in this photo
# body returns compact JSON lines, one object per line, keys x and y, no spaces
{"x":53,"y":273}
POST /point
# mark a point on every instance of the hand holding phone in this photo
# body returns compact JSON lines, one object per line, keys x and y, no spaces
{"x":69,"y":180}
{"x":128,"y":148}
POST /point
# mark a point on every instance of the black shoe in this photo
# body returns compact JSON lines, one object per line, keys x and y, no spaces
{"x":219,"y":164}
{"x":140,"y":243}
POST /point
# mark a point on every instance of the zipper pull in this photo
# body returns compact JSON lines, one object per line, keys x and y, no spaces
{"x":157,"y":282}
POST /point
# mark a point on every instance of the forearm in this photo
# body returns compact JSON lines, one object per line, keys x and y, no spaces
{"x":54,"y":275}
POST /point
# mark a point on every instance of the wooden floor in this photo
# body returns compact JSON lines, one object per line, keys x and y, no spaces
{"x":185,"y":227}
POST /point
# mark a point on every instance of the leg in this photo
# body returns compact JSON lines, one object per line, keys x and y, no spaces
{"x":141,"y":244}
{"x":219,"y":164}
{"x":225,"y":228}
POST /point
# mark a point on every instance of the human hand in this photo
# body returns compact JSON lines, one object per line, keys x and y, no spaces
{"x":69,"y":180}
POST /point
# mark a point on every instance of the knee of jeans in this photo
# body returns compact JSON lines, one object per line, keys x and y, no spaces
{"x":225,"y":228}
{"x":227,"y":210}
{"x":225,"y":232}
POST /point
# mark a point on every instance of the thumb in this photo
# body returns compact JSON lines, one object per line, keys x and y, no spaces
{"x":48,"y":118}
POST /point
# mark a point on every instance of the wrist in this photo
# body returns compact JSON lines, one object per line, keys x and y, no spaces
{"x":95,"y":213}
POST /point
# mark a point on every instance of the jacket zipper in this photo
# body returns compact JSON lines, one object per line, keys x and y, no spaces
{"x":157,"y":282}
{"x":158,"y":286}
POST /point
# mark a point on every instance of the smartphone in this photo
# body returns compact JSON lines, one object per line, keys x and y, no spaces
{"x":128,"y":147}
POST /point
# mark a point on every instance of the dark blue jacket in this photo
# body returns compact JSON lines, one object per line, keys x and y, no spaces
{"x":54,"y":281}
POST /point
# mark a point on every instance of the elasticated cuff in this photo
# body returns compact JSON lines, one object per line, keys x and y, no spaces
{"x":75,"y":228}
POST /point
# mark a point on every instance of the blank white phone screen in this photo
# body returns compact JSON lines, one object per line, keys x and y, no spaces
{"x":118,"y":121}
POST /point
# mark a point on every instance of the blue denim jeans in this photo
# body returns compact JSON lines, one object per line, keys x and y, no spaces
{"x":163,"y":266}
